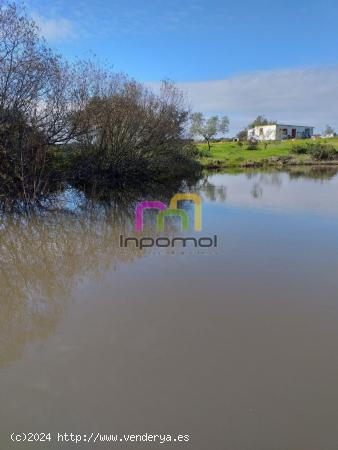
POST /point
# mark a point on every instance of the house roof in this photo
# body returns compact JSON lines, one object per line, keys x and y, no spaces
{"x":281,"y":125}
{"x":294,"y":125}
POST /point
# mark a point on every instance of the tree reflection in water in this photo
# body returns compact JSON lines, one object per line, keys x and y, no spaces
{"x":44,"y":256}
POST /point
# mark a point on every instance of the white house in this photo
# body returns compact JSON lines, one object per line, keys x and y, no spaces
{"x":278,"y":132}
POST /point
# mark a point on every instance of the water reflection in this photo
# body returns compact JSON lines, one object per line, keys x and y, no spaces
{"x":211,"y":191}
{"x":233,"y":347}
{"x":44,"y":257}
{"x":299,"y":188}
{"x":320,"y":173}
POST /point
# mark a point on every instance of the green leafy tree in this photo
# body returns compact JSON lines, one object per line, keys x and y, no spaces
{"x":242,"y":135}
{"x":208,"y":127}
{"x":329,"y":131}
{"x":261,"y":121}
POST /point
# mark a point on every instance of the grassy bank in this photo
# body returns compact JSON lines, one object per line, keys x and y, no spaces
{"x":233,"y":154}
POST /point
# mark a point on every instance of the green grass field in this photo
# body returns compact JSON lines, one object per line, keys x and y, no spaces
{"x":231,"y":154}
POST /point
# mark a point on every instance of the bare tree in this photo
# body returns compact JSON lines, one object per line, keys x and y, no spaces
{"x":208,"y":128}
{"x":105,"y":123}
{"x":33,"y":80}
{"x":131,"y":131}
{"x":39,"y":99}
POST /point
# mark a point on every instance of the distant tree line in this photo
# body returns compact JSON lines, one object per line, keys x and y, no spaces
{"x":79,"y":124}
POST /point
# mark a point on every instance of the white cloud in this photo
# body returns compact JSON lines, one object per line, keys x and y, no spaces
{"x":56,"y":29}
{"x":300,"y":96}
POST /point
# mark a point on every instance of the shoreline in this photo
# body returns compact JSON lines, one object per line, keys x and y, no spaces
{"x":279,"y":163}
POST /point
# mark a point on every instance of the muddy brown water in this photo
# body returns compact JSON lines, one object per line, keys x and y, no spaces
{"x":235,"y":346}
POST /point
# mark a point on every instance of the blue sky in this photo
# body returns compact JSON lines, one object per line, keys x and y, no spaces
{"x":199,"y":42}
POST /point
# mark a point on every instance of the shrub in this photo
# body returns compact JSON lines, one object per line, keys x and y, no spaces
{"x":322,"y":151}
{"x":204,"y":153}
{"x":318,"y":151}
{"x":301,"y":149}
{"x":252,"y":145}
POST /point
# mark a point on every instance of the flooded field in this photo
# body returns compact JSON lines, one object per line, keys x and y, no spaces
{"x":234,"y":346}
